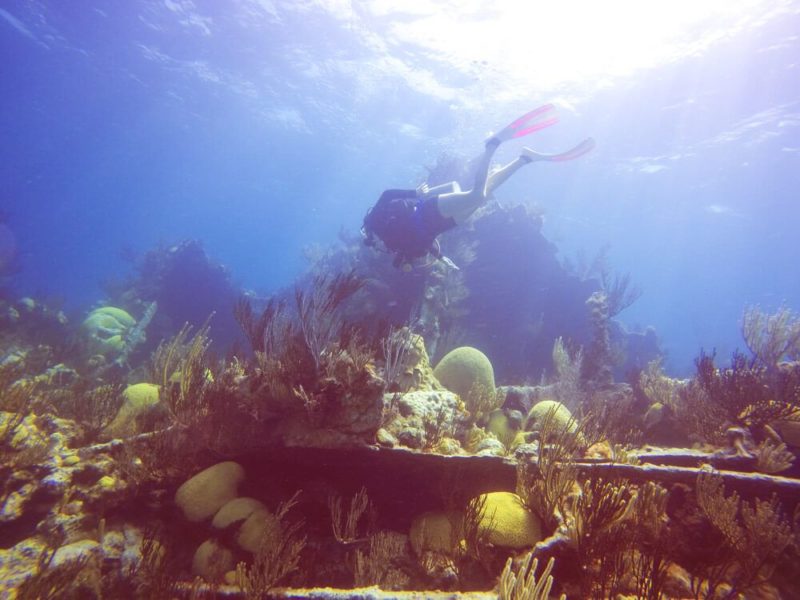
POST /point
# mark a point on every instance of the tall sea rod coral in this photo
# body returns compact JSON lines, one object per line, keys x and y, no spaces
{"x":771,"y":337}
{"x":743,"y":395}
{"x":750,"y":540}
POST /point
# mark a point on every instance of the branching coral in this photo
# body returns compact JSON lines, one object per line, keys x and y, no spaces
{"x":180,"y":369}
{"x":595,"y":530}
{"x":480,"y":401}
{"x":546,"y":484}
{"x":346,"y":360}
{"x":598,"y":360}
{"x":310,"y":358}
{"x":317,"y":310}
{"x":50,"y":582}
{"x":93,"y":409}
{"x":155,"y":575}
{"x":22,"y":444}
{"x":754,"y":536}
{"x":263,"y":331}
{"x":773,"y":457}
{"x":396,"y":345}
{"x":619,"y":291}
{"x":607,"y":418}
{"x":473,"y":532}
{"x":744,"y":395}
{"x":278,"y":555}
{"x":657,"y":387}
{"x":378,"y":566}
{"x":346,"y":528}
{"x":282,"y":363}
{"x":647,"y":531}
{"x":16,"y":401}
{"x":568,"y":365}
{"x":438,"y":428}
{"x":771,"y":337}
{"x":525,"y":584}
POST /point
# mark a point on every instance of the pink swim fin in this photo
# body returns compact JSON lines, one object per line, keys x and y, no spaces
{"x":535,"y":120}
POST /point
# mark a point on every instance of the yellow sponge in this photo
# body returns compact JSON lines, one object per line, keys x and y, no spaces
{"x":260,"y":524}
{"x":237,"y":509}
{"x":434,"y":530}
{"x":205,"y":493}
{"x":211,"y":561}
{"x":140,"y":398}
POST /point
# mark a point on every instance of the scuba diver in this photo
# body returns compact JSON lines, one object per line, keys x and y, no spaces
{"x":407,"y":222}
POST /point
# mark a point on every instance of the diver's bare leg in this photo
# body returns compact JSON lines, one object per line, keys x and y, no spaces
{"x":444,"y":188}
{"x":500,"y":176}
{"x":460,"y":205}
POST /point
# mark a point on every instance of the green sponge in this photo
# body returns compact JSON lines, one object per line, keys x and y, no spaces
{"x":105,"y":328}
{"x":463,"y":368}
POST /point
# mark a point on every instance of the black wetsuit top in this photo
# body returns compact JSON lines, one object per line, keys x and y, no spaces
{"x":411,"y":231}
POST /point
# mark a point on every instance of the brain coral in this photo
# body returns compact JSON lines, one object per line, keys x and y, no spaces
{"x":462,"y":368}
{"x":562,"y":419}
{"x":507,"y":522}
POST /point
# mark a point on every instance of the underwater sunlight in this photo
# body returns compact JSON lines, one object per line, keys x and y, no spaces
{"x":337,"y":299}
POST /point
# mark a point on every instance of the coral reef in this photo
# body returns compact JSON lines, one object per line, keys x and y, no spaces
{"x":170,"y":276}
{"x":329,"y":459}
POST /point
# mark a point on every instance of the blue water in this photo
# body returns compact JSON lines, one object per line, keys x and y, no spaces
{"x":264,"y":127}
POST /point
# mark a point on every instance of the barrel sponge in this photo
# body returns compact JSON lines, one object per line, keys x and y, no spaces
{"x":208,"y":491}
{"x":506,"y":522}
{"x":237,"y":510}
{"x":433,"y":530}
{"x":211,"y":561}
{"x":462,"y":368}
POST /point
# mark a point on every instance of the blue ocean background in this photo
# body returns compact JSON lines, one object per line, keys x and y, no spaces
{"x":264,"y":128}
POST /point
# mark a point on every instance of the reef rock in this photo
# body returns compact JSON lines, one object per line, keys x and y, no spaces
{"x":414,"y":371}
{"x":420,"y":419}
